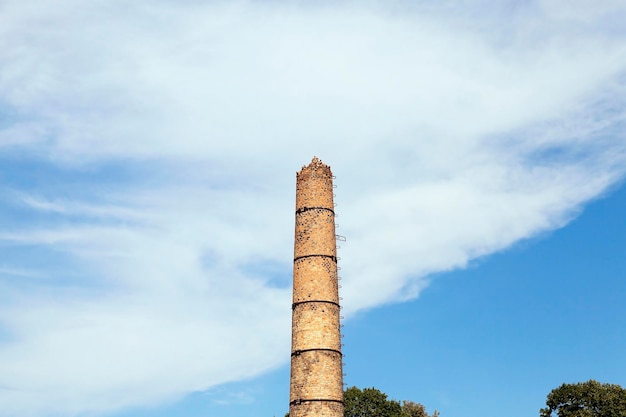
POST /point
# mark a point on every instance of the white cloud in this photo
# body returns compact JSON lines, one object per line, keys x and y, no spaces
{"x":452,"y":136}
{"x":583,"y":11}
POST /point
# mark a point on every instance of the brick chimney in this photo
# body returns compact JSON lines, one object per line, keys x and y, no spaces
{"x":316,"y":360}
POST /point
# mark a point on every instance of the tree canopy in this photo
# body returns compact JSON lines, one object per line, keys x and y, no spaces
{"x":586,"y":399}
{"x":411,"y":409}
{"x":371,"y":402}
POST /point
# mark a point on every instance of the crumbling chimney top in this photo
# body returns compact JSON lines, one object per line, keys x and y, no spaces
{"x":316,"y":168}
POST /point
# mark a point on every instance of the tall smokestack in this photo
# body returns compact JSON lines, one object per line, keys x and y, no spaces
{"x":316,"y":360}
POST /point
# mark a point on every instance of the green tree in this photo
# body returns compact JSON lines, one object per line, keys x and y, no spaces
{"x":412,"y":409}
{"x":369,"y":402}
{"x":586,"y":399}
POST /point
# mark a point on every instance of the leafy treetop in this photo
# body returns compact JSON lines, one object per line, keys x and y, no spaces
{"x":370,"y":402}
{"x":586,"y":399}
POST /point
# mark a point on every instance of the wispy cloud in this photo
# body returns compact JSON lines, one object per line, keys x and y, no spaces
{"x":453,"y":132}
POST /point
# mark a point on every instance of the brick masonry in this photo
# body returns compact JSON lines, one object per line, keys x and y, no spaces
{"x":316,"y":360}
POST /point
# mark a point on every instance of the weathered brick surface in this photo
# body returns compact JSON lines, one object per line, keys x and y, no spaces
{"x":314,"y":186}
{"x":316,"y":375}
{"x":316,"y":361}
{"x":325,"y":409}
{"x":317,"y":327}
{"x":315,"y":233}
{"x":314,"y":278}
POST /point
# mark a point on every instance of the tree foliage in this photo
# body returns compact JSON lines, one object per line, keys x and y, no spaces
{"x":370,"y":402}
{"x":411,"y":409}
{"x":586,"y":399}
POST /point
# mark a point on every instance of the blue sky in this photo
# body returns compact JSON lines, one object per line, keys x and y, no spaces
{"x":148,"y":158}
